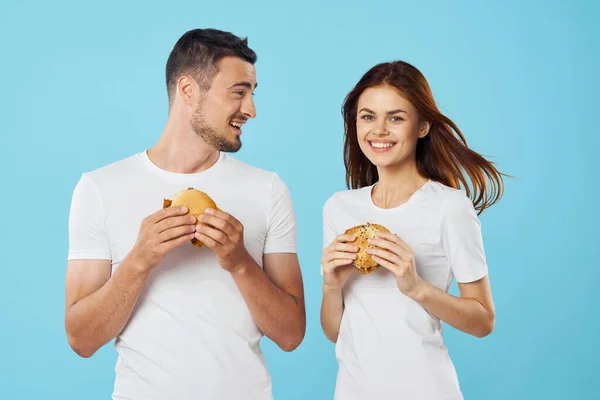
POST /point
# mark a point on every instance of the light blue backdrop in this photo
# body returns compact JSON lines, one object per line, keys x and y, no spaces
{"x":82,"y":86}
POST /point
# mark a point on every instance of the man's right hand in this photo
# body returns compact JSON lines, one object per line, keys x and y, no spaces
{"x":337,"y":262}
{"x":160,"y":233}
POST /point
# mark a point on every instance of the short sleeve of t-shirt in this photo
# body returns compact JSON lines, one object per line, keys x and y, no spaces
{"x":281,"y":235}
{"x":87,"y":237}
{"x":462,"y":239}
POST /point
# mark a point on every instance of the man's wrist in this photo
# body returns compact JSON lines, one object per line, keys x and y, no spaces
{"x":137,"y":263}
{"x":242,"y":267}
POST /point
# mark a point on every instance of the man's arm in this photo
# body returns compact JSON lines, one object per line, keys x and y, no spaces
{"x":275,"y":297}
{"x":98,"y":305}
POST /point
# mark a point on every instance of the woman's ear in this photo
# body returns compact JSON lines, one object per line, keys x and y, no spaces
{"x":424,"y":129}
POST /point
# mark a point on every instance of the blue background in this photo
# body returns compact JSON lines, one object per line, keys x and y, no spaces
{"x":83,"y":85}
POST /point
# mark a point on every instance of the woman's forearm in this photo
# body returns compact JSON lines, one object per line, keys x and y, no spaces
{"x":465,"y":314}
{"x":332,"y":308}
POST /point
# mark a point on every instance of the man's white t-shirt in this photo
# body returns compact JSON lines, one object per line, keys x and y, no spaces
{"x":191,"y":335}
{"x":389,"y":346}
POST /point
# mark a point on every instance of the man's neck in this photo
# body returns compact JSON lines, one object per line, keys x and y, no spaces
{"x":179,"y":149}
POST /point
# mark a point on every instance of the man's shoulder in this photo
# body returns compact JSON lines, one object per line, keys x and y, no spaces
{"x":114,"y":170}
{"x":247,"y":170}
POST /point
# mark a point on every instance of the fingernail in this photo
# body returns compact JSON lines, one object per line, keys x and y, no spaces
{"x":184,"y":208}
{"x":209,"y":211}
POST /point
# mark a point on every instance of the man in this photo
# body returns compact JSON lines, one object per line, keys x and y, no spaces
{"x":187,"y":320}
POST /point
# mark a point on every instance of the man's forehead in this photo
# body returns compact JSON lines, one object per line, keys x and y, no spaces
{"x":233,"y":70}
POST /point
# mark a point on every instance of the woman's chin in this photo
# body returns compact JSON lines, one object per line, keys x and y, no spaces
{"x":382,"y":163}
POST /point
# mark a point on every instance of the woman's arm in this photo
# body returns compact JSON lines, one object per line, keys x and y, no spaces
{"x":472,"y":312}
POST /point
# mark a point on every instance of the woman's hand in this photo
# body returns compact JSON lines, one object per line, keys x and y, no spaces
{"x":337,"y":262}
{"x":393,"y":254}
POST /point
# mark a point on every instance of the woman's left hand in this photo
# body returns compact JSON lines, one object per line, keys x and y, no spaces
{"x":393,"y":254}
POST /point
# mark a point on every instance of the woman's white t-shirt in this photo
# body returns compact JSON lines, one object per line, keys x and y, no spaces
{"x":389,"y":346}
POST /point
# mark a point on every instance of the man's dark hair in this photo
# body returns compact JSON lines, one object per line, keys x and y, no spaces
{"x":198,"y":52}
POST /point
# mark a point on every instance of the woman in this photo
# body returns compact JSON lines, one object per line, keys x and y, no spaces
{"x":405,"y":165}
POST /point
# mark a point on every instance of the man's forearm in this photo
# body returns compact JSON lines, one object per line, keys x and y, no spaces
{"x":332,"y":308}
{"x":278,"y":314}
{"x":98,"y":318}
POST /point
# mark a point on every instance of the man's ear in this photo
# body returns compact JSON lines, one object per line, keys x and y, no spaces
{"x":188,"y":89}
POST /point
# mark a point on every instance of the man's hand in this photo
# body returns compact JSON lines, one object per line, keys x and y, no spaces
{"x":161,"y":232}
{"x":223,"y":234}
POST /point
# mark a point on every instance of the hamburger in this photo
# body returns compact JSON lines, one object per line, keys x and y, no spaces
{"x":364,"y":263}
{"x":196,"y":202}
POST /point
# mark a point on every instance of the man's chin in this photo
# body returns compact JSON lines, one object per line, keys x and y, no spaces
{"x":231,"y":147}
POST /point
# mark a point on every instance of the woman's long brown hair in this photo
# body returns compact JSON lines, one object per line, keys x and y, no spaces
{"x":442,"y":155}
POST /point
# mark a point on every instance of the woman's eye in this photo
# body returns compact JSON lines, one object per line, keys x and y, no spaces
{"x":367,"y":117}
{"x":396,"y":119}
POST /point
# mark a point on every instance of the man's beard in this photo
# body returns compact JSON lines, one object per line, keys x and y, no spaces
{"x":211,"y":137}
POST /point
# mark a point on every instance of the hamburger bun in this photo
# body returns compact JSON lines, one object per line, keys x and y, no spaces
{"x":196,"y":201}
{"x":364,"y":263}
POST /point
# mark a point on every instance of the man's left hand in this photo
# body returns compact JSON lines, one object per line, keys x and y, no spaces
{"x":222,"y":233}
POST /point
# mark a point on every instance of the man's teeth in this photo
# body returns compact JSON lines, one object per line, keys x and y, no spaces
{"x":236,"y":124}
{"x":381,"y":145}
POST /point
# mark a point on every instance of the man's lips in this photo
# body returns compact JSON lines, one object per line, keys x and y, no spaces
{"x":237,"y":126}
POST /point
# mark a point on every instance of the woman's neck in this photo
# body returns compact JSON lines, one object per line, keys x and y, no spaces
{"x":396,"y":185}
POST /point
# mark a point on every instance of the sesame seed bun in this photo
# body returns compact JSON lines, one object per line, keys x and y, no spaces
{"x":364,"y":263}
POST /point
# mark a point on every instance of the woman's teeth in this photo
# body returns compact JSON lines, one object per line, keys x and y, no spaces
{"x":381,"y":145}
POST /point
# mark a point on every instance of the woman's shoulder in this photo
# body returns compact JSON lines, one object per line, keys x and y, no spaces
{"x":451,"y":199}
{"x":346,"y":196}
{"x":445,"y":192}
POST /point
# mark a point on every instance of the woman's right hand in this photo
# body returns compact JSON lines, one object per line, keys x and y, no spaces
{"x":337,"y":262}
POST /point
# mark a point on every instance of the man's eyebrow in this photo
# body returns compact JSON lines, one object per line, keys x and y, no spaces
{"x":245,"y":84}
